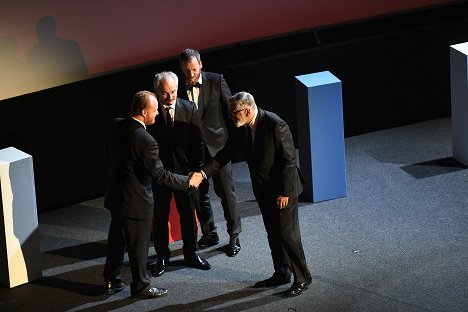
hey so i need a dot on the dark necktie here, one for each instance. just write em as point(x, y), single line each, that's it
point(168, 118)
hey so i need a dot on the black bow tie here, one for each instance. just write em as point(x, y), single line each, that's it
point(196, 85)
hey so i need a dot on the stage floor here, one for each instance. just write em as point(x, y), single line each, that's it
point(396, 242)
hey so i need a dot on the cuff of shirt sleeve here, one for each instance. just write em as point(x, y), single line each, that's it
point(203, 174)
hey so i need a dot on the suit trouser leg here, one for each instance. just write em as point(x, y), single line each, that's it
point(162, 208)
point(115, 249)
point(188, 224)
point(205, 211)
point(138, 233)
point(271, 222)
point(292, 243)
point(223, 185)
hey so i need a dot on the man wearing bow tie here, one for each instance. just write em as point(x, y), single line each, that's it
point(210, 93)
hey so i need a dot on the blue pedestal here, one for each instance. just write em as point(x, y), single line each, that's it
point(459, 98)
point(319, 108)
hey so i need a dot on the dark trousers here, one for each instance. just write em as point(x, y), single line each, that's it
point(188, 225)
point(133, 235)
point(223, 185)
point(284, 238)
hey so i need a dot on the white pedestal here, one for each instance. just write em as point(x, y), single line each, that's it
point(459, 97)
point(19, 233)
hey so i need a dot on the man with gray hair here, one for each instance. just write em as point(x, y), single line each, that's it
point(267, 145)
point(181, 149)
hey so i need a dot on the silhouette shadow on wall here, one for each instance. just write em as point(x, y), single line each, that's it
point(54, 61)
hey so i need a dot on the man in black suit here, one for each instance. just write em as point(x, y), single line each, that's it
point(181, 146)
point(133, 164)
point(267, 145)
point(210, 93)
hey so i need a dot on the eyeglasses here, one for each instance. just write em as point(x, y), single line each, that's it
point(234, 113)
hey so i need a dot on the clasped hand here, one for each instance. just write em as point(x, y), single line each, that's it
point(195, 179)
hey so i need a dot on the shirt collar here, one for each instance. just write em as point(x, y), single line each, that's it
point(253, 122)
point(169, 106)
point(141, 122)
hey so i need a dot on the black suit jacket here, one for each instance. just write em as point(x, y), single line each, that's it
point(272, 163)
point(212, 108)
point(182, 147)
point(132, 165)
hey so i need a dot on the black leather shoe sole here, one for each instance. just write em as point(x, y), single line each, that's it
point(296, 289)
point(113, 287)
point(198, 263)
point(158, 268)
point(232, 250)
point(207, 242)
point(272, 281)
point(150, 293)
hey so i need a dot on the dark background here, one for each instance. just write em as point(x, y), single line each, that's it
point(394, 71)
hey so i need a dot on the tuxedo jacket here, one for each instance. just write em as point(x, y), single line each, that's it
point(132, 164)
point(212, 109)
point(272, 162)
point(181, 146)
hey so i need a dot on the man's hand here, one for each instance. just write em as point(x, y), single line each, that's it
point(282, 201)
point(195, 179)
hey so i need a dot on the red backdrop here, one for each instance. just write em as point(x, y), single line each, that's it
point(115, 35)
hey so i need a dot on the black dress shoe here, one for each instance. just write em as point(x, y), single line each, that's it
point(114, 286)
point(195, 261)
point(159, 267)
point(150, 293)
point(275, 280)
point(297, 289)
point(207, 241)
point(233, 247)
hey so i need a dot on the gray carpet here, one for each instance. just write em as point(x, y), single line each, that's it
point(396, 242)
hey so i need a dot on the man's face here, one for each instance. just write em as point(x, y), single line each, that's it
point(239, 116)
point(167, 92)
point(191, 70)
point(151, 111)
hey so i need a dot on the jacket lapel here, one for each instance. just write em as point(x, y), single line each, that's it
point(259, 132)
point(204, 88)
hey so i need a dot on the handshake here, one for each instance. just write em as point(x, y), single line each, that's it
point(195, 178)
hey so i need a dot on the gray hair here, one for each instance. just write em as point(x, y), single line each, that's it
point(163, 76)
point(242, 100)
